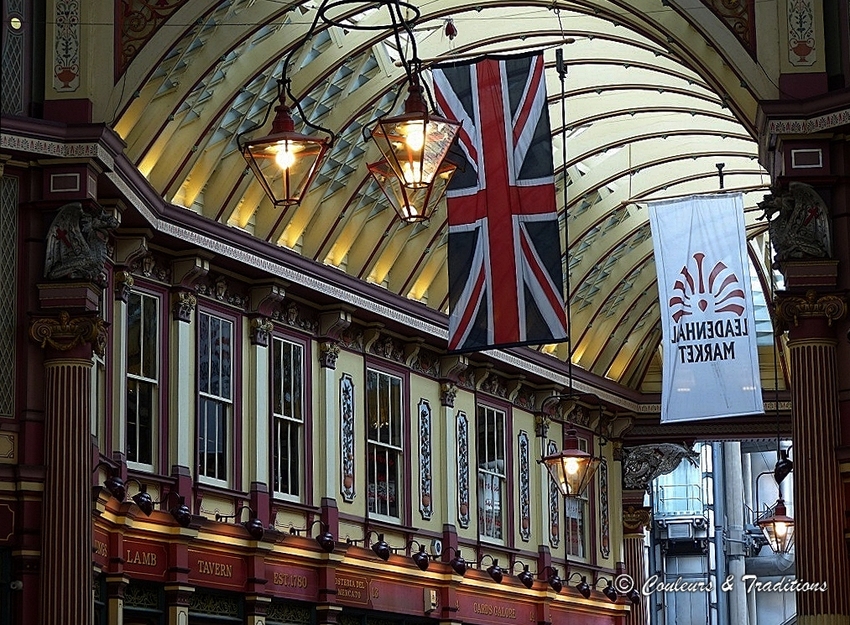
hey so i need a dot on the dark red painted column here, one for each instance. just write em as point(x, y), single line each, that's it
point(821, 553)
point(66, 540)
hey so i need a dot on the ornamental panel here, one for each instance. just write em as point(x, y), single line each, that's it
point(346, 433)
point(426, 507)
point(524, 486)
point(462, 470)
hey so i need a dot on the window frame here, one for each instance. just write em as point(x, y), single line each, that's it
point(506, 500)
point(304, 477)
point(232, 414)
point(156, 382)
point(399, 449)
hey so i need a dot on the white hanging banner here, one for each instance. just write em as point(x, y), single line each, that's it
point(711, 366)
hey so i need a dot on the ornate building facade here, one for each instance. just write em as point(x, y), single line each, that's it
point(215, 410)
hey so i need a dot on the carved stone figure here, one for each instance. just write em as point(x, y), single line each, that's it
point(644, 463)
point(799, 223)
point(76, 243)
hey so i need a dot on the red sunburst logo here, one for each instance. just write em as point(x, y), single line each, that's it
point(719, 288)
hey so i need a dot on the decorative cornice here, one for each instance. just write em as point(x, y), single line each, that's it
point(65, 333)
point(790, 308)
point(810, 125)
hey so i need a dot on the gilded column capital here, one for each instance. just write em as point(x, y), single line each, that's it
point(65, 333)
point(636, 519)
point(448, 392)
point(124, 283)
point(328, 353)
point(790, 308)
point(184, 306)
point(261, 329)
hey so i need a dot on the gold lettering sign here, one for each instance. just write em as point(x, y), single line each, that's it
point(291, 581)
point(140, 558)
point(100, 548)
point(216, 569)
point(354, 589)
point(490, 609)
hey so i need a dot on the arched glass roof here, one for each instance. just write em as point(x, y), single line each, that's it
point(644, 113)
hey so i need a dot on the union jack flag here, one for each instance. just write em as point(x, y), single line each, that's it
point(504, 248)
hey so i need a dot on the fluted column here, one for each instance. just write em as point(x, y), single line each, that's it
point(636, 519)
point(821, 553)
point(66, 539)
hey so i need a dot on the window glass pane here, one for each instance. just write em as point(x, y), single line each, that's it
point(134, 332)
point(150, 337)
point(394, 411)
point(145, 422)
point(287, 376)
point(384, 407)
point(204, 353)
point(132, 420)
point(297, 382)
point(277, 377)
point(372, 403)
point(491, 471)
point(226, 360)
point(215, 356)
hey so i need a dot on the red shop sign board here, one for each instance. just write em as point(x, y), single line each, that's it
point(144, 558)
point(217, 570)
point(294, 582)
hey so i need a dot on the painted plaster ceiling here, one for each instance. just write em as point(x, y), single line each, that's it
point(643, 120)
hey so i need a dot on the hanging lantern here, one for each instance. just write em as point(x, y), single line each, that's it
point(284, 161)
point(571, 468)
point(778, 528)
point(415, 143)
point(412, 205)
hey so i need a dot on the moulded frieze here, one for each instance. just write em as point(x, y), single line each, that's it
point(222, 290)
point(151, 267)
point(296, 316)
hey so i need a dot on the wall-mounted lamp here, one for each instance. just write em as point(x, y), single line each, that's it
point(379, 547)
point(582, 586)
point(525, 577)
point(634, 596)
point(253, 524)
point(609, 591)
point(554, 579)
point(181, 512)
point(458, 564)
point(325, 539)
point(118, 489)
point(495, 572)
